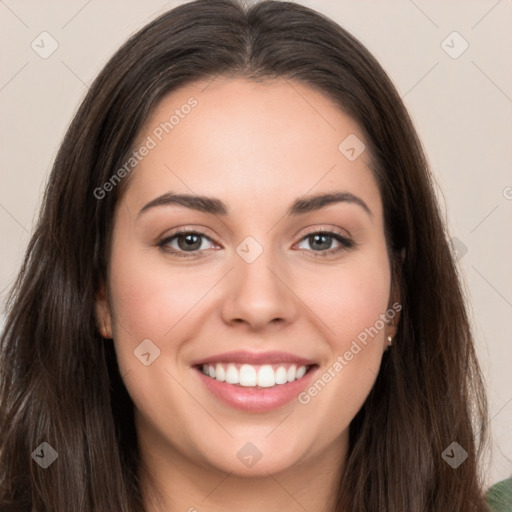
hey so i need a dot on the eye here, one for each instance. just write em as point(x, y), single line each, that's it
point(190, 243)
point(321, 242)
point(185, 241)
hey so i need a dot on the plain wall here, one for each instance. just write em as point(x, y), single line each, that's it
point(461, 108)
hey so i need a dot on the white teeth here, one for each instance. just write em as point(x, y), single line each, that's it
point(301, 371)
point(220, 374)
point(265, 376)
point(248, 375)
point(281, 375)
point(232, 375)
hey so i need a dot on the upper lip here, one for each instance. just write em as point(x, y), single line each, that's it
point(254, 358)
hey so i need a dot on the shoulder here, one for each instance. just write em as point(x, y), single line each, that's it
point(499, 496)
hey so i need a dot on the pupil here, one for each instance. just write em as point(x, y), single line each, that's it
point(322, 240)
point(191, 241)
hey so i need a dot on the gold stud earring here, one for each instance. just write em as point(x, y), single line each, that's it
point(390, 341)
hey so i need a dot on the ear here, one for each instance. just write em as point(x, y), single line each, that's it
point(103, 314)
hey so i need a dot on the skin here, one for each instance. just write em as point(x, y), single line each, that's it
point(257, 147)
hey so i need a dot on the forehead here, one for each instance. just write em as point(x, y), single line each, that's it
point(250, 142)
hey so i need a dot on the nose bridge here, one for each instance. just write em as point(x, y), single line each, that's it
point(257, 292)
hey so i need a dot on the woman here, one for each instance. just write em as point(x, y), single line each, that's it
point(240, 293)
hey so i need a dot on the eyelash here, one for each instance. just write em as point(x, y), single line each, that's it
point(345, 243)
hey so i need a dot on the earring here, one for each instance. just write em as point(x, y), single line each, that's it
point(390, 341)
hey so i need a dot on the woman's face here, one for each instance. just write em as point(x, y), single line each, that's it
point(250, 294)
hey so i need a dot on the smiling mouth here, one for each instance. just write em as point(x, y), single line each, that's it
point(255, 376)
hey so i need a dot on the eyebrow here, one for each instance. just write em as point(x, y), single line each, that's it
point(217, 207)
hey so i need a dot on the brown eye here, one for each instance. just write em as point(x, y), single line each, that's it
point(189, 242)
point(185, 242)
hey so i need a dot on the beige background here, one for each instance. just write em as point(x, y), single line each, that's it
point(461, 107)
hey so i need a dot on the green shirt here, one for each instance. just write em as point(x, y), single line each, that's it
point(499, 497)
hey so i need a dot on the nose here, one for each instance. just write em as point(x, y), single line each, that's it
point(259, 294)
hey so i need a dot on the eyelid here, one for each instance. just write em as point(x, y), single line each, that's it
point(200, 230)
point(323, 228)
point(166, 239)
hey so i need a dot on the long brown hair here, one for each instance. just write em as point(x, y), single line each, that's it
point(59, 381)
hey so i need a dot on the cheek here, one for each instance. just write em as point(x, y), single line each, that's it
point(349, 298)
point(151, 299)
point(357, 297)
point(349, 301)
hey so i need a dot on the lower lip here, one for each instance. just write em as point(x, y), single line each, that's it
point(255, 399)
